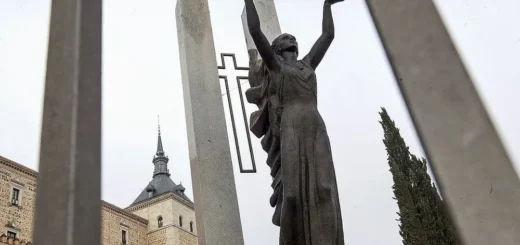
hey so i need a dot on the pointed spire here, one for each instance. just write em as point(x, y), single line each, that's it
point(160, 150)
point(160, 160)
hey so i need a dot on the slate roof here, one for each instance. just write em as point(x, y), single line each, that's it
point(161, 182)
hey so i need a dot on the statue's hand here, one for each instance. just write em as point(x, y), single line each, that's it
point(333, 1)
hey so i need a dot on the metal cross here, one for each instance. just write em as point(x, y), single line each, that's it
point(232, 115)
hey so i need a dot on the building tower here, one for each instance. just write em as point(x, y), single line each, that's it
point(169, 211)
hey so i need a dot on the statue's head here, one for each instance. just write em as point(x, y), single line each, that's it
point(285, 42)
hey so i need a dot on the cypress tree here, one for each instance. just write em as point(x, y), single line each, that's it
point(400, 162)
point(431, 209)
point(421, 210)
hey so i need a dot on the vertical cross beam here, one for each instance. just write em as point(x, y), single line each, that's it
point(68, 201)
point(474, 171)
point(270, 25)
point(232, 114)
point(216, 203)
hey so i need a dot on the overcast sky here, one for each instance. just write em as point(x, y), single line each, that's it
point(141, 79)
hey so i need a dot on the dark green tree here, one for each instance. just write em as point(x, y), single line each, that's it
point(400, 162)
point(430, 207)
point(421, 210)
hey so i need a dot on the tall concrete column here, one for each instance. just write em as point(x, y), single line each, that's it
point(68, 199)
point(216, 203)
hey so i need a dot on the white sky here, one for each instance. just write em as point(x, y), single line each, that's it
point(141, 79)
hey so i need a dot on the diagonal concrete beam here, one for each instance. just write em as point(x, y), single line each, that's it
point(474, 172)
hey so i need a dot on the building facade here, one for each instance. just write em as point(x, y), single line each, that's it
point(160, 215)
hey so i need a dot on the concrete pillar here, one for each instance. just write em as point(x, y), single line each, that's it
point(216, 204)
point(68, 200)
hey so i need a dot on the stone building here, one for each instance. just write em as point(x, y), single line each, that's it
point(160, 215)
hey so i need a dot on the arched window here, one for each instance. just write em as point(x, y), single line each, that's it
point(159, 221)
point(180, 221)
point(191, 226)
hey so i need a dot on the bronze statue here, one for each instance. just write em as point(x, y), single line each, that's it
point(305, 197)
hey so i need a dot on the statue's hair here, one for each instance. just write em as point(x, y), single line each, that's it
point(276, 44)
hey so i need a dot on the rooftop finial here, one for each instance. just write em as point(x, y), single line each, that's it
point(160, 150)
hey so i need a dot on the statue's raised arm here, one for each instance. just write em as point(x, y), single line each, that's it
point(323, 43)
point(262, 44)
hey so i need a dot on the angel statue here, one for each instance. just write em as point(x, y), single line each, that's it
point(305, 197)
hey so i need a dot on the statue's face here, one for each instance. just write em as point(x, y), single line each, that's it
point(288, 43)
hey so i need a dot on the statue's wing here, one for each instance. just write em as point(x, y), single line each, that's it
point(260, 126)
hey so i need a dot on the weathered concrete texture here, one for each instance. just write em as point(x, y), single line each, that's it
point(266, 10)
point(68, 203)
point(475, 173)
point(216, 204)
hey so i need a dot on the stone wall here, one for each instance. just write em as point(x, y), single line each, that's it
point(170, 207)
point(188, 216)
point(19, 218)
point(186, 238)
point(157, 237)
point(177, 236)
point(154, 209)
point(140, 221)
point(115, 220)
point(13, 241)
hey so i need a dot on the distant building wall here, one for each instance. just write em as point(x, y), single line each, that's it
point(170, 208)
point(116, 222)
point(17, 216)
point(17, 210)
point(157, 237)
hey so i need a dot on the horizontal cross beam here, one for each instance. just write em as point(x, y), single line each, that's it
point(223, 66)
